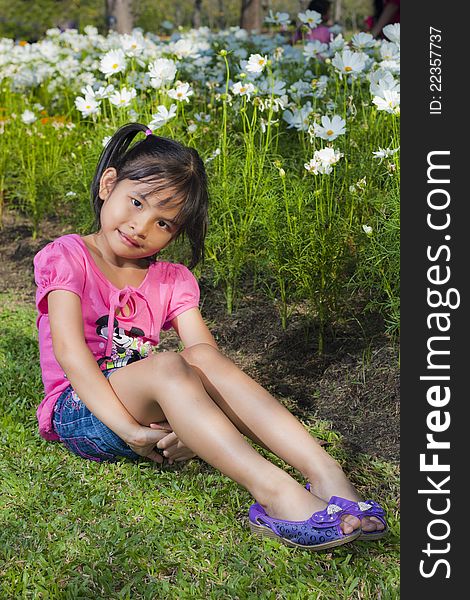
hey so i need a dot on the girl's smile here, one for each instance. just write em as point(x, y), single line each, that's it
point(127, 240)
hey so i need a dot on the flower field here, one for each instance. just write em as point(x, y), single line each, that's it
point(301, 145)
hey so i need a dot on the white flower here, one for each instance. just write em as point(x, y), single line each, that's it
point(389, 51)
point(312, 18)
point(123, 97)
point(280, 18)
point(181, 92)
point(192, 128)
point(392, 32)
point(362, 41)
point(162, 116)
point(298, 118)
point(112, 62)
point(256, 63)
point(28, 117)
point(338, 43)
point(382, 153)
point(330, 129)
point(315, 49)
point(381, 80)
point(243, 89)
point(185, 48)
point(161, 71)
point(87, 106)
point(213, 155)
point(328, 155)
point(132, 45)
point(367, 229)
point(390, 102)
point(323, 161)
point(349, 62)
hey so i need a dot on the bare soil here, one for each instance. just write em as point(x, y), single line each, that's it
point(354, 385)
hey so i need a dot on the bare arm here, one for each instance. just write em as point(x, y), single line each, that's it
point(386, 16)
point(83, 372)
point(192, 330)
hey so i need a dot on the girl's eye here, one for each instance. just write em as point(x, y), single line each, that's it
point(136, 202)
point(163, 224)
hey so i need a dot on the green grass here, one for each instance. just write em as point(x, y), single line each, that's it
point(71, 528)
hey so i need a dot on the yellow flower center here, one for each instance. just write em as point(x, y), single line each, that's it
point(329, 132)
point(347, 69)
point(261, 61)
point(242, 90)
point(179, 94)
point(115, 66)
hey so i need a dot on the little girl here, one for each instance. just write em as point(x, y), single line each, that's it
point(102, 300)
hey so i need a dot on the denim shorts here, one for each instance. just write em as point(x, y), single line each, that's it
point(84, 434)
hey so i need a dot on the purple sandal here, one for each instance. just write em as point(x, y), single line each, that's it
point(361, 509)
point(321, 531)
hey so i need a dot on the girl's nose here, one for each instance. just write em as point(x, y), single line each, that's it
point(139, 228)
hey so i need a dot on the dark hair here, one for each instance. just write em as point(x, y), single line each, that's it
point(321, 6)
point(164, 164)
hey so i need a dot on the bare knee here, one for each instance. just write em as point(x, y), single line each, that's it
point(168, 366)
point(202, 356)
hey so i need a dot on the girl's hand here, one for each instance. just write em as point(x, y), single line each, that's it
point(144, 440)
point(174, 449)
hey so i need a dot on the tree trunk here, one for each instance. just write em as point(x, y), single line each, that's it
point(251, 15)
point(196, 20)
point(221, 16)
point(338, 11)
point(119, 15)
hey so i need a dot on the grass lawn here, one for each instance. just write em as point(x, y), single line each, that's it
point(74, 529)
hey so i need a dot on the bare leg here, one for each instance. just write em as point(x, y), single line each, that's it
point(164, 386)
point(262, 418)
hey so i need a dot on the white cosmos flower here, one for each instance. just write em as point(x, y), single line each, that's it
point(161, 71)
point(315, 49)
point(256, 63)
point(337, 44)
point(87, 106)
point(362, 41)
point(312, 18)
point(28, 117)
point(392, 32)
point(349, 62)
point(123, 97)
point(330, 129)
point(185, 48)
point(162, 116)
point(280, 18)
point(389, 51)
point(132, 45)
point(381, 80)
point(112, 62)
point(390, 102)
point(382, 153)
point(323, 161)
point(298, 118)
point(243, 89)
point(367, 229)
point(181, 92)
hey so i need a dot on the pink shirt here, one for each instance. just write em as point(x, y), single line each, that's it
point(115, 340)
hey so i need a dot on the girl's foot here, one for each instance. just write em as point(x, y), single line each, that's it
point(295, 503)
point(335, 483)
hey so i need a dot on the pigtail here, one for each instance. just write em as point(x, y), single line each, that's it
point(111, 156)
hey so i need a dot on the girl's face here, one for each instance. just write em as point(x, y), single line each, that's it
point(133, 223)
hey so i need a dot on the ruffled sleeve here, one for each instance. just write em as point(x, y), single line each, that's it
point(185, 293)
point(57, 267)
